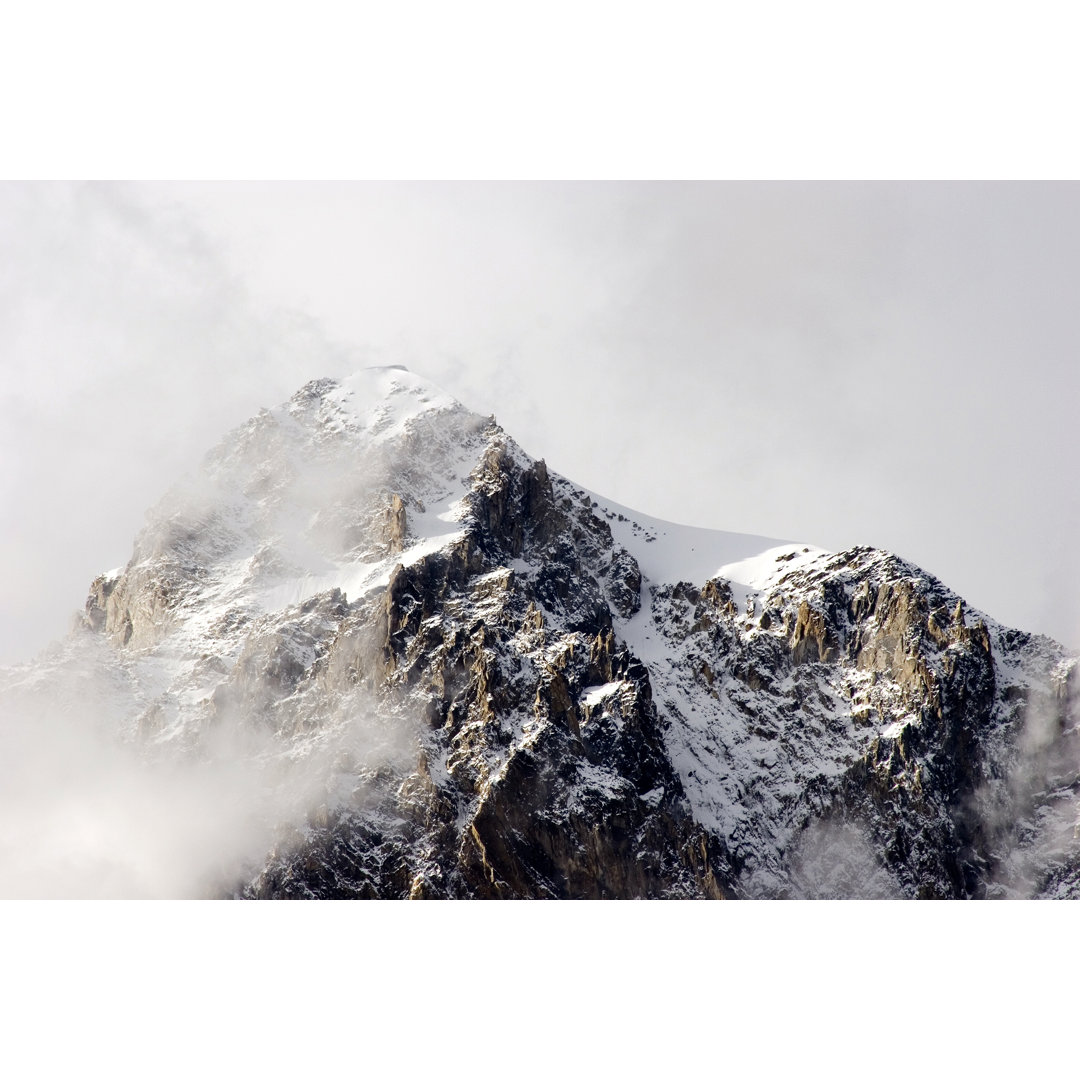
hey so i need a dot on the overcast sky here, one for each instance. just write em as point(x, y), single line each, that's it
point(836, 363)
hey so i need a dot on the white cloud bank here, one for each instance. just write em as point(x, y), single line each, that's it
point(837, 363)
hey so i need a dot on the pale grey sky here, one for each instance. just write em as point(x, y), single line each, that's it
point(840, 363)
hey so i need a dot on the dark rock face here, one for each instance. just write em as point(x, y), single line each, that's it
point(513, 709)
point(581, 799)
point(540, 792)
point(916, 798)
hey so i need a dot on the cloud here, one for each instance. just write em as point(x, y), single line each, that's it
point(128, 349)
point(838, 363)
point(92, 808)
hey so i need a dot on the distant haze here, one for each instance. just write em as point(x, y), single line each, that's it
point(835, 363)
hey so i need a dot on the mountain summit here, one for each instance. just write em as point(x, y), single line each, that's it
point(416, 663)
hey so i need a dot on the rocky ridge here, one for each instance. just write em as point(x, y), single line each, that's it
point(495, 684)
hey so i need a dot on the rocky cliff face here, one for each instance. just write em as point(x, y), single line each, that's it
point(491, 683)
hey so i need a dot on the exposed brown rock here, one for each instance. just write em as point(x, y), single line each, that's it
point(395, 525)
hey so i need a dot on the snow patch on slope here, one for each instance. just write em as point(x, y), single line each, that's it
point(384, 400)
point(668, 552)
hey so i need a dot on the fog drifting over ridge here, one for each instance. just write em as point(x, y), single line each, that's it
point(837, 363)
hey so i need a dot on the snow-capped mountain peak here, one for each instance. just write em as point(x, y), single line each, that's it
point(455, 673)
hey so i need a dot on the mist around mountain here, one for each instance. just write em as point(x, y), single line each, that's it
point(373, 649)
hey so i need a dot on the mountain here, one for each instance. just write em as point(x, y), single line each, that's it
point(374, 649)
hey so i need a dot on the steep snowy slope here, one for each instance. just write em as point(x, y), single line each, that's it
point(440, 670)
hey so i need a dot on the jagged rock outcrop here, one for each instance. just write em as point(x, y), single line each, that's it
point(470, 678)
